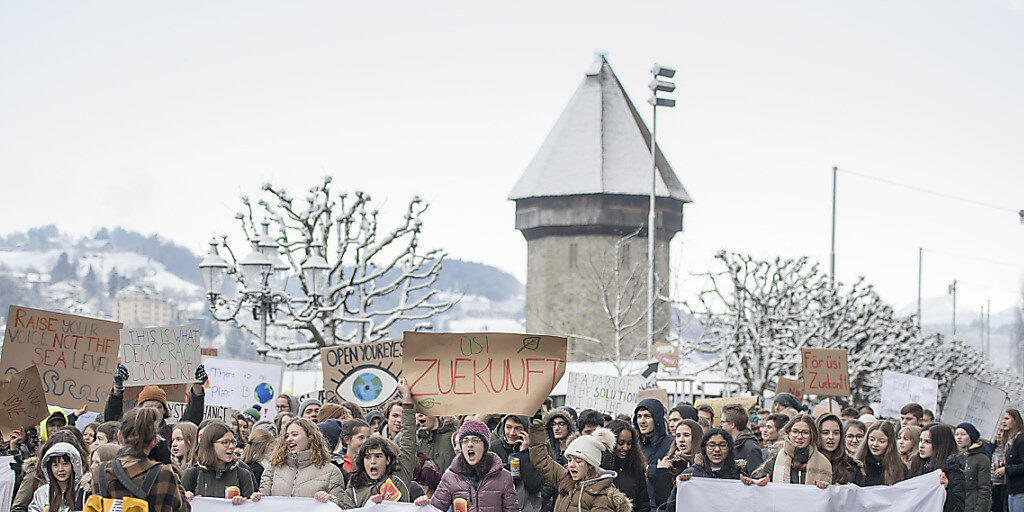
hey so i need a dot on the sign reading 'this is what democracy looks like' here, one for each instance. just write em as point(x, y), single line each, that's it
point(160, 355)
point(481, 372)
point(76, 355)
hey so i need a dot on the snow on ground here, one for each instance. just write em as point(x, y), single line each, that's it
point(129, 264)
point(484, 324)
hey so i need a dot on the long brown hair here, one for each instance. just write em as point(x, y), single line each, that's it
point(138, 430)
point(207, 454)
point(58, 498)
point(261, 442)
point(811, 425)
point(190, 434)
point(1018, 424)
point(840, 470)
point(317, 444)
point(893, 469)
point(696, 435)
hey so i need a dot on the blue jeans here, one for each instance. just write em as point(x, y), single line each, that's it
point(1016, 502)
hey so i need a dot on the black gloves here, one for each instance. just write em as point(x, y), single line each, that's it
point(201, 374)
point(120, 375)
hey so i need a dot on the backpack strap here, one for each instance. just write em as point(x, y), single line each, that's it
point(142, 491)
point(101, 481)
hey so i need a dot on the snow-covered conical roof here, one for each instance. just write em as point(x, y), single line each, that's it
point(599, 145)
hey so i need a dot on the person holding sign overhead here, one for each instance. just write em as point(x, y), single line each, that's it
point(155, 397)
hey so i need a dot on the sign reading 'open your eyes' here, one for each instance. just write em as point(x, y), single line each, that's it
point(365, 374)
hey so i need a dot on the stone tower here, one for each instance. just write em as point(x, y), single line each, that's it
point(582, 205)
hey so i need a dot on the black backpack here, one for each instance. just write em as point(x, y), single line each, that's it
point(139, 491)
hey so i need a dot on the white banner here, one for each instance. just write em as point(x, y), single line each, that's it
point(977, 403)
point(899, 389)
point(240, 384)
point(921, 494)
point(610, 394)
point(285, 504)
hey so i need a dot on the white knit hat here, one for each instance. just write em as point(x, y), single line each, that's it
point(589, 447)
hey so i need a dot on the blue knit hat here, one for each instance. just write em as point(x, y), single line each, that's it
point(971, 430)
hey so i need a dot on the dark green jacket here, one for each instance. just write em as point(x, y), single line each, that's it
point(977, 480)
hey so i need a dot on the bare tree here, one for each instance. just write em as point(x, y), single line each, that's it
point(376, 278)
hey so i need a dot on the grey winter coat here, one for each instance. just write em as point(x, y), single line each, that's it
point(494, 492)
point(41, 497)
point(299, 477)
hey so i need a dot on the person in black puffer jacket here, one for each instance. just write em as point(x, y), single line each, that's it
point(628, 463)
point(938, 451)
point(508, 441)
point(1013, 468)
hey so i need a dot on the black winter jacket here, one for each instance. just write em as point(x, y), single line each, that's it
point(634, 487)
point(530, 483)
point(1015, 466)
point(656, 445)
point(162, 452)
point(747, 449)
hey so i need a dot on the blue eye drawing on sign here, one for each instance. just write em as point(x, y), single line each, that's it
point(367, 385)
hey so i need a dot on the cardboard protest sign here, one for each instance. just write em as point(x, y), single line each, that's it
point(365, 374)
point(826, 406)
point(975, 402)
point(826, 372)
point(899, 389)
point(794, 387)
point(76, 355)
point(658, 394)
point(174, 392)
point(160, 355)
point(240, 384)
point(667, 354)
point(481, 372)
point(610, 394)
point(718, 403)
point(207, 351)
point(209, 411)
point(22, 400)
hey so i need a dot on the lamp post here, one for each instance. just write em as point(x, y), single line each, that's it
point(260, 278)
point(658, 83)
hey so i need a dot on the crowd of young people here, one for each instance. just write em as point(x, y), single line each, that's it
point(553, 461)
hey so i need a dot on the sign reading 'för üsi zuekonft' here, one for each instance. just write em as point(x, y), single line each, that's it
point(160, 355)
point(481, 372)
point(365, 374)
point(76, 355)
point(826, 372)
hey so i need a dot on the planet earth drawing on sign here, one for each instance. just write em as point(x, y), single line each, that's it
point(264, 392)
point(367, 387)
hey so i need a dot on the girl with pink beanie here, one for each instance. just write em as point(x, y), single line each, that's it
point(476, 475)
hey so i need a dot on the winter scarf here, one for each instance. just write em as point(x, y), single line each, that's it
point(807, 459)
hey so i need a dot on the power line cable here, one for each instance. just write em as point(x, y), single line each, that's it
point(977, 258)
point(927, 191)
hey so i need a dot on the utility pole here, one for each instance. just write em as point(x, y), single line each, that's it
point(981, 334)
point(952, 291)
point(988, 324)
point(832, 252)
point(656, 85)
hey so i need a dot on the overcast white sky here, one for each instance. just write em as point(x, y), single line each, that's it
point(156, 115)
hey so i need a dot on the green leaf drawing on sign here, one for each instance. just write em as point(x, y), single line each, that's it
point(427, 403)
point(531, 343)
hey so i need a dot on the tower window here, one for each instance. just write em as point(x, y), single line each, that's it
point(573, 254)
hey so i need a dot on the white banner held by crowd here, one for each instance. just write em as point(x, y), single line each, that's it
point(977, 403)
point(610, 394)
point(282, 504)
point(899, 389)
point(920, 494)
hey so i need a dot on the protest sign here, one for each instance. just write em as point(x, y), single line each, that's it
point(977, 403)
point(922, 493)
point(828, 406)
point(217, 412)
point(365, 374)
point(610, 394)
point(826, 372)
point(794, 387)
point(22, 400)
point(240, 384)
point(899, 389)
point(481, 372)
point(667, 354)
point(206, 351)
point(718, 403)
point(658, 394)
point(160, 355)
point(76, 355)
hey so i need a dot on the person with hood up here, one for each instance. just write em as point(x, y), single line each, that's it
point(374, 419)
point(55, 420)
point(286, 403)
point(977, 471)
point(476, 475)
point(581, 485)
point(217, 468)
point(380, 464)
point(799, 461)
point(434, 438)
point(559, 426)
point(938, 451)
point(649, 422)
point(155, 397)
point(309, 409)
point(509, 442)
point(679, 413)
point(62, 465)
point(734, 421)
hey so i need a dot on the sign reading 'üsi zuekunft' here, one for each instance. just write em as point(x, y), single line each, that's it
point(481, 372)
